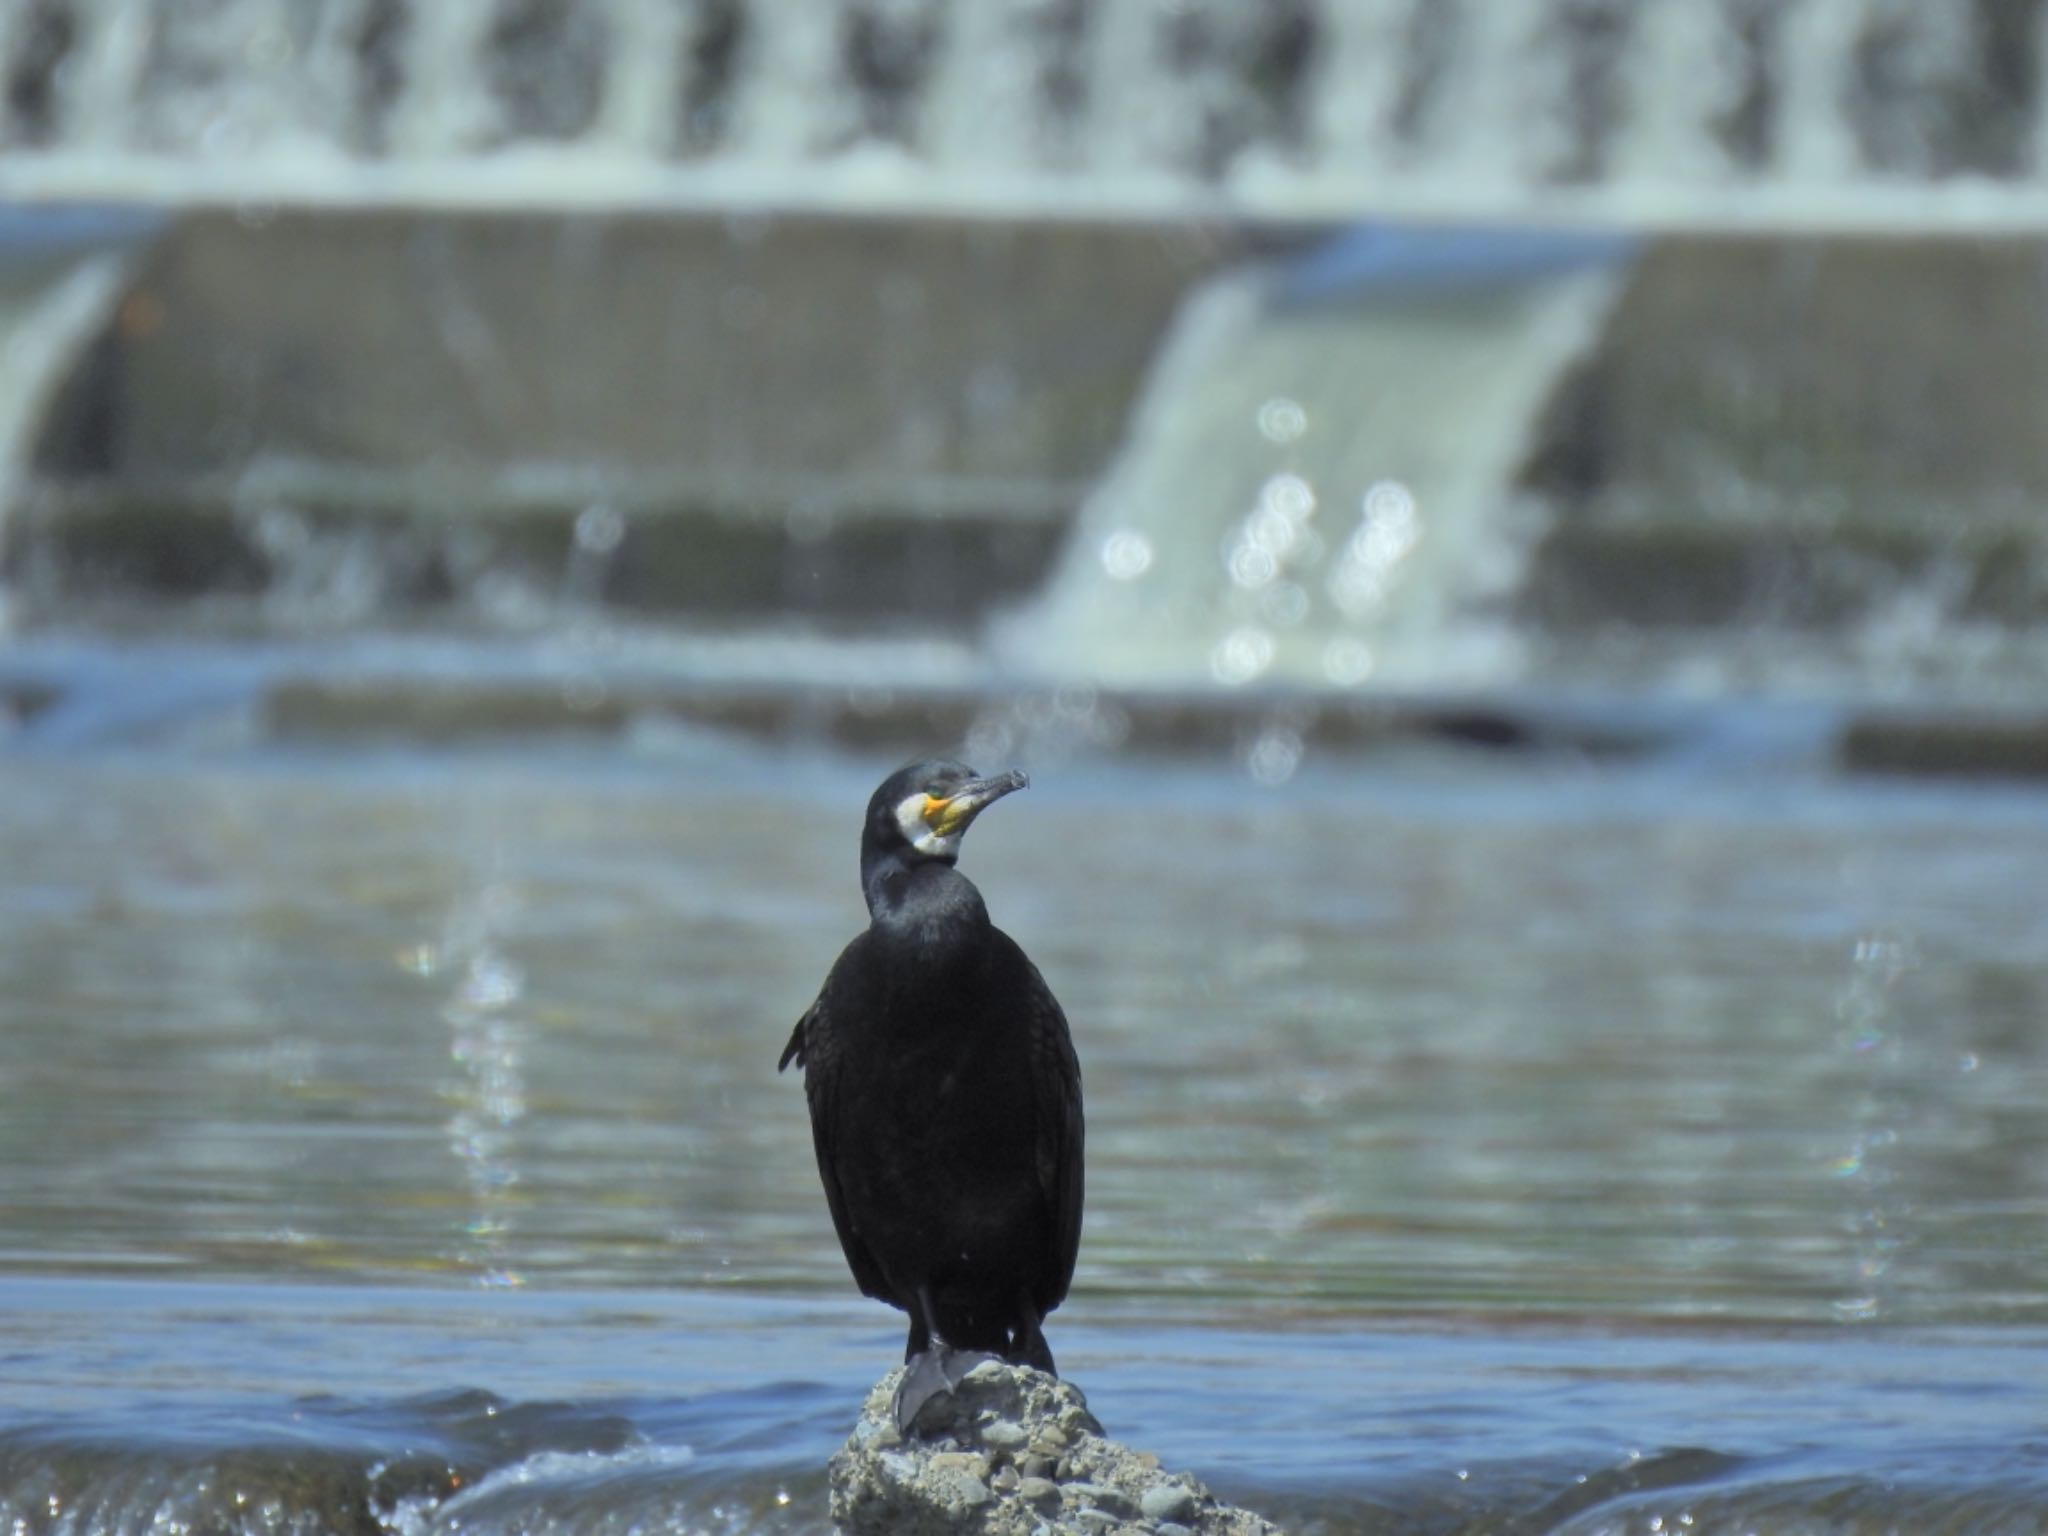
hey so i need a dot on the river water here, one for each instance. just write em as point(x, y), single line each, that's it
point(390, 1138)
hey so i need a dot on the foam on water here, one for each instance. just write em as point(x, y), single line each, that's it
point(530, 1494)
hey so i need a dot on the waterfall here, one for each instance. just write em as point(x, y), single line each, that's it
point(53, 297)
point(1315, 486)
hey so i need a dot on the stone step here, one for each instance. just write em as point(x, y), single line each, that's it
point(1703, 574)
point(295, 552)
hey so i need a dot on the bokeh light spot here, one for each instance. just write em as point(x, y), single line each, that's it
point(1126, 555)
point(1282, 420)
point(1241, 655)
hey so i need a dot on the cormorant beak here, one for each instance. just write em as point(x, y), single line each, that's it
point(949, 817)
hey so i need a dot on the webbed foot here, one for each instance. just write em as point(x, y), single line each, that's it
point(935, 1372)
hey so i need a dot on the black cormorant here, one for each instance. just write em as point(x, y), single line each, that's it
point(945, 1097)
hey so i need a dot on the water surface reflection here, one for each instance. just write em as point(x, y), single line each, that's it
point(1424, 1040)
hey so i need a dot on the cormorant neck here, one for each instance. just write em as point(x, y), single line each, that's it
point(921, 900)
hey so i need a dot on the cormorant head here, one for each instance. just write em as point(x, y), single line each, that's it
point(922, 811)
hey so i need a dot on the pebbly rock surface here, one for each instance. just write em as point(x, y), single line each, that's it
point(1013, 1452)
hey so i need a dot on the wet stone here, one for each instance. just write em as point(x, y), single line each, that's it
point(1033, 1489)
point(1003, 1435)
point(1113, 1500)
point(1167, 1501)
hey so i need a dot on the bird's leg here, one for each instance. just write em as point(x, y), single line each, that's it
point(1027, 1339)
point(920, 1338)
point(935, 1370)
point(924, 1377)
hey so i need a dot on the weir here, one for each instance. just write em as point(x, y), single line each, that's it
point(1011, 323)
point(1813, 114)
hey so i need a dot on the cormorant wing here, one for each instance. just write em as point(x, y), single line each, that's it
point(794, 1051)
point(1056, 1085)
point(813, 1048)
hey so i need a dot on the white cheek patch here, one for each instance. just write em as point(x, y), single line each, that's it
point(919, 834)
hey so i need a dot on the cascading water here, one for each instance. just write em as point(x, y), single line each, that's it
point(1314, 486)
point(59, 281)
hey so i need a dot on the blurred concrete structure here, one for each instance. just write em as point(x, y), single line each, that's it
point(1653, 113)
point(882, 399)
point(768, 305)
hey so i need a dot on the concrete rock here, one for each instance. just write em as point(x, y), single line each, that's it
point(1168, 1501)
point(959, 1472)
